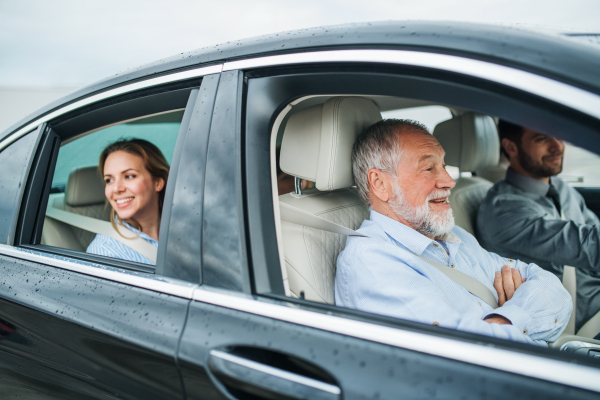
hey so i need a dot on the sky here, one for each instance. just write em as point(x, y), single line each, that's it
point(72, 43)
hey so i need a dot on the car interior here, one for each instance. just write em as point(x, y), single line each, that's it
point(316, 135)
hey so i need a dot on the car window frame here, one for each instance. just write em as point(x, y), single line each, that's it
point(260, 218)
point(103, 113)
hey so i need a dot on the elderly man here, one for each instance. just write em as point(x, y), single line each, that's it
point(535, 216)
point(399, 169)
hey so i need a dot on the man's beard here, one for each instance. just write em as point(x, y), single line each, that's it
point(422, 218)
point(538, 169)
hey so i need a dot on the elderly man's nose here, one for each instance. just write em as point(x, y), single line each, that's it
point(445, 180)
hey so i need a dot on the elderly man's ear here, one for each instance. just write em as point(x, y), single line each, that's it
point(380, 185)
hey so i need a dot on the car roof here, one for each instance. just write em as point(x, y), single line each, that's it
point(550, 54)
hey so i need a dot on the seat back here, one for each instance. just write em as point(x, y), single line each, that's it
point(84, 195)
point(317, 146)
point(471, 143)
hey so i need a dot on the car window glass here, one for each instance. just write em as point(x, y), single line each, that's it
point(13, 161)
point(79, 189)
point(580, 167)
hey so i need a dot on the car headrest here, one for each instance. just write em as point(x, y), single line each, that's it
point(85, 187)
point(470, 140)
point(317, 141)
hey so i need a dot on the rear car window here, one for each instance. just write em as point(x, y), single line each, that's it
point(160, 130)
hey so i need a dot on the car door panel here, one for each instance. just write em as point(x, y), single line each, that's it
point(362, 369)
point(95, 337)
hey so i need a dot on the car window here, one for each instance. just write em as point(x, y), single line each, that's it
point(307, 254)
point(77, 199)
point(580, 167)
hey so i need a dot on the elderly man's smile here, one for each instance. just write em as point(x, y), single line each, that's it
point(441, 201)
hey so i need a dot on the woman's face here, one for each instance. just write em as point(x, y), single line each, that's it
point(130, 188)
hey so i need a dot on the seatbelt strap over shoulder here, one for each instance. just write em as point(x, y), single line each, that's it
point(104, 228)
point(300, 217)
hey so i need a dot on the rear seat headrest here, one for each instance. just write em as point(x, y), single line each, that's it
point(85, 187)
point(317, 141)
point(470, 140)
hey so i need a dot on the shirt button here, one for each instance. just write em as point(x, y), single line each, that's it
point(524, 331)
point(436, 324)
point(556, 320)
point(479, 304)
point(511, 260)
point(452, 265)
point(435, 245)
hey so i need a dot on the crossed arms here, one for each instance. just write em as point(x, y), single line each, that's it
point(382, 278)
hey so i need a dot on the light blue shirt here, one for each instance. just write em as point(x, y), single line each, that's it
point(107, 246)
point(380, 274)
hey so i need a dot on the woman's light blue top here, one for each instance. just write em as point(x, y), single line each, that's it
point(107, 246)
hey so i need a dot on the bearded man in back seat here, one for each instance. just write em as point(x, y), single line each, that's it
point(397, 269)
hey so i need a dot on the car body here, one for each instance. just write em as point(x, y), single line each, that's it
point(212, 320)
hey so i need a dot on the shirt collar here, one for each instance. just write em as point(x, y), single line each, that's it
point(528, 184)
point(132, 229)
point(416, 242)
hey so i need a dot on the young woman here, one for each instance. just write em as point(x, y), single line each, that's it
point(135, 172)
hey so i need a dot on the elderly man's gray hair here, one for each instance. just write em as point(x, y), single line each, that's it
point(379, 147)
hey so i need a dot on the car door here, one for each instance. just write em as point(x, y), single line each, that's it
point(245, 339)
point(74, 325)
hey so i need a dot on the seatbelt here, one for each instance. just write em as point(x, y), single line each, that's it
point(104, 228)
point(569, 282)
point(300, 217)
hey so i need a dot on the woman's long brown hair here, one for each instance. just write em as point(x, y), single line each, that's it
point(154, 161)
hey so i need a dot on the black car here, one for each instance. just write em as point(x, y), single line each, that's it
point(240, 301)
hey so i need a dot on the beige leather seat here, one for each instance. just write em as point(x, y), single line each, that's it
point(317, 146)
point(471, 144)
point(497, 172)
point(84, 195)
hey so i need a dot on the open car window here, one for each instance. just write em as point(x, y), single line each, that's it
point(65, 205)
point(306, 255)
point(77, 200)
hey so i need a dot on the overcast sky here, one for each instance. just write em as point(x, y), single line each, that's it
point(71, 43)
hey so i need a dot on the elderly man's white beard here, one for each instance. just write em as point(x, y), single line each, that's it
point(422, 218)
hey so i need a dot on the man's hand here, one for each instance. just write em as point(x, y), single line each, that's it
point(506, 283)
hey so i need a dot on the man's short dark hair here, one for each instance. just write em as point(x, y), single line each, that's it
point(510, 131)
